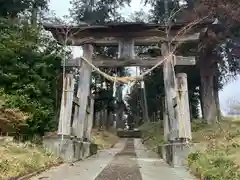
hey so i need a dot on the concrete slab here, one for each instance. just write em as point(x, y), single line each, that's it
point(70, 150)
point(87, 169)
point(180, 152)
point(175, 154)
point(124, 160)
point(154, 168)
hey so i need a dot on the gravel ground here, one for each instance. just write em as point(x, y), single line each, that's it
point(124, 165)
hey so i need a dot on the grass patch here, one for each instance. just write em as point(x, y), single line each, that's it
point(18, 159)
point(104, 139)
point(217, 150)
point(152, 134)
point(213, 166)
point(215, 163)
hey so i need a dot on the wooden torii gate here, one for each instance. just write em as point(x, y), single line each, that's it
point(126, 36)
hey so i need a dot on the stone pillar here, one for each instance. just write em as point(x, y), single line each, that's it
point(181, 147)
point(183, 117)
point(64, 125)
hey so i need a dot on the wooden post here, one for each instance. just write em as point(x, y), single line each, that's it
point(98, 119)
point(165, 120)
point(64, 125)
point(90, 120)
point(178, 126)
point(126, 48)
point(101, 118)
point(83, 92)
point(115, 120)
point(184, 122)
point(169, 85)
point(144, 99)
point(105, 120)
point(86, 119)
point(111, 119)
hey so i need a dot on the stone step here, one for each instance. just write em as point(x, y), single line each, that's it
point(129, 133)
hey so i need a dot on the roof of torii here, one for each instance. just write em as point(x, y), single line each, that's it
point(98, 33)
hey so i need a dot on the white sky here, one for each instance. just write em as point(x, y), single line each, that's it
point(61, 8)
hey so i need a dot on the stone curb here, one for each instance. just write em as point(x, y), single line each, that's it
point(28, 176)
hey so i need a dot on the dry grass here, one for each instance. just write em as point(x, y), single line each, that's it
point(104, 139)
point(217, 155)
point(222, 134)
point(12, 120)
point(18, 159)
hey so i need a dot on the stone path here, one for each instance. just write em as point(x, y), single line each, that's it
point(128, 160)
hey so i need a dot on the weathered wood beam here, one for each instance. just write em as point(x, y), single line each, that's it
point(100, 61)
point(125, 51)
point(89, 120)
point(64, 125)
point(138, 41)
point(148, 62)
point(170, 91)
point(126, 48)
point(77, 102)
point(183, 116)
point(165, 119)
point(83, 93)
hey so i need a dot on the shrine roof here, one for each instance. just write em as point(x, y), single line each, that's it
point(117, 29)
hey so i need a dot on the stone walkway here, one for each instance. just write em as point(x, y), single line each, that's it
point(128, 160)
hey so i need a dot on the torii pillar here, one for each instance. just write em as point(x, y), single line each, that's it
point(177, 127)
point(83, 93)
point(76, 115)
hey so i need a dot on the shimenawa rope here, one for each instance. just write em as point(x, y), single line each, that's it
point(127, 79)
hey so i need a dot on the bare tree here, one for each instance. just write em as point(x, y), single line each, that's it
point(233, 107)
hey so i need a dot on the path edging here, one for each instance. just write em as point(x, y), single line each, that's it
point(31, 174)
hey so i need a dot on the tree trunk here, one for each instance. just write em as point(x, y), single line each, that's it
point(208, 99)
point(219, 113)
point(190, 109)
point(34, 14)
point(216, 96)
point(201, 100)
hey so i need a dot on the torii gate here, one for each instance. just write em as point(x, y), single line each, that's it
point(126, 36)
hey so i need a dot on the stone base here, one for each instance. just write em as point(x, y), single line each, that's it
point(175, 154)
point(128, 133)
point(70, 150)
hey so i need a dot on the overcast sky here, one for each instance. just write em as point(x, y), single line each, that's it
point(61, 8)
